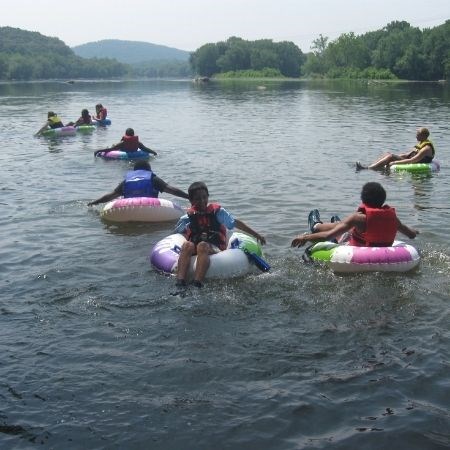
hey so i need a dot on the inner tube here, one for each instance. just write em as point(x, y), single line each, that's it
point(399, 257)
point(85, 128)
point(433, 166)
point(141, 209)
point(232, 262)
point(62, 131)
point(102, 122)
point(119, 154)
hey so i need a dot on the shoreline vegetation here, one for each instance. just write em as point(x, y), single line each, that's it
point(398, 51)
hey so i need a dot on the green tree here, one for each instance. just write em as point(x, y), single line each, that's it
point(395, 48)
point(236, 55)
point(316, 60)
point(291, 59)
point(204, 60)
point(348, 51)
point(436, 47)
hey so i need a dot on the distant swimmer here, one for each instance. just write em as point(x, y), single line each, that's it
point(128, 143)
point(84, 119)
point(53, 121)
point(423, 152)
point(100, 112)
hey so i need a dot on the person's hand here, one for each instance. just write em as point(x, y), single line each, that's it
point(260, 238)
point(90, 204)
point(392, 163)
point(414, 233)
point(299, 241)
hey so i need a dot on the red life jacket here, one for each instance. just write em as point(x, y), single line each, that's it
point(102, 114)
point(381, 227)
point(204, 226)
point(130, 143)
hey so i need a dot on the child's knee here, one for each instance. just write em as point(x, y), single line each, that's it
point(203, 247)
point(188, 247)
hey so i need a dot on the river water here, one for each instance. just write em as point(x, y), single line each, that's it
point(97, 352)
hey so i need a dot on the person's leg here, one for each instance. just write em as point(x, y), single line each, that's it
point(323, 226)
point(187, 250)
point(383, 161)
point(203, 251)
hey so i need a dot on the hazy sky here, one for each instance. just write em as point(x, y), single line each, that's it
point(188, 24)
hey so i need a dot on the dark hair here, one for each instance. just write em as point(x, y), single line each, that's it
point(373, 194)
point(51, 114)
point(129, 132)
point(141, 165)
point(84, 112)
point(197, 186)
point(99, 105)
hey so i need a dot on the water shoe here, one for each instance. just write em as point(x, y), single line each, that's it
point(313, 219)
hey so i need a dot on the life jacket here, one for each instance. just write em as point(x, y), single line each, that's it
point(381, 227)
point(421, 145)
point(204, 226)
point(139, 183)
point(55, 122)
point(84, 120)
point(102, 114)
point(130, 143)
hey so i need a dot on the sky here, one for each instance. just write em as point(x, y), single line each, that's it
point(189, 24)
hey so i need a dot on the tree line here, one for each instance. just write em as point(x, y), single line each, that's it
point(396, 51)
point(237, 54)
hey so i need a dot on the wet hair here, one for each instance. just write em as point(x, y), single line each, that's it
point(129, 132)
point(142, 165)
point(424, 132)
point(99, 105)
point(373, 194)
point(197, 186)
point(84, 112)
point(51, 114)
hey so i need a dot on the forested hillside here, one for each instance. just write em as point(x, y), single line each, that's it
point(129, 52)
point(26, 55)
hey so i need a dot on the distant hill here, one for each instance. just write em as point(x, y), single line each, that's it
point(129, 52)
point(29, 55)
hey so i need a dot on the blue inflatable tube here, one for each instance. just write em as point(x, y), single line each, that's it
point(103, 122)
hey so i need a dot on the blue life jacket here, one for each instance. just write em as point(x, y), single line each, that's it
point(139, 183)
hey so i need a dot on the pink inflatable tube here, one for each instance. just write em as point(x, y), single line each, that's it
point(141, 209)
point(399, 257)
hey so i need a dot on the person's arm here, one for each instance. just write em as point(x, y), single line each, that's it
point(108, 197)
point(404, 229)
point(162, 186)
point(182, 224)
point(146, 149)
point(244, 227)
point(356, 219)
point(175, 191)
point(426, 151)
point(106, 150)
point(43, 128)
